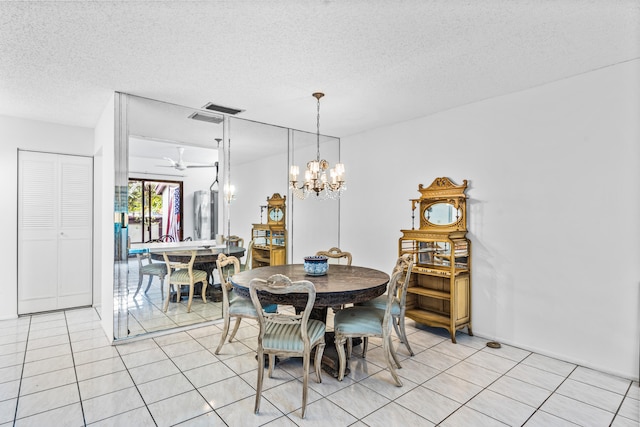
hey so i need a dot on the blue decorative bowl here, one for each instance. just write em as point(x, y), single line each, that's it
point(316, 265)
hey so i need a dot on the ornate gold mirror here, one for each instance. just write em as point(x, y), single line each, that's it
point(442, 206)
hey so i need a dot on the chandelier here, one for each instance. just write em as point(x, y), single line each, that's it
point(316, 181)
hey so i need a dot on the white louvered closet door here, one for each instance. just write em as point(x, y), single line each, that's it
point(55, 215)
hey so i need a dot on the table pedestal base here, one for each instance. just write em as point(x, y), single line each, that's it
point(330, 359)
point(214, 292)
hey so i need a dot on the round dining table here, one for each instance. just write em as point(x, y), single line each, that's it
point(204, 255)
point(205, 260)
point(343, 284)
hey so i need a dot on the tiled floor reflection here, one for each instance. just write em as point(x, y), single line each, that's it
point(145, 308)
point(58, 369)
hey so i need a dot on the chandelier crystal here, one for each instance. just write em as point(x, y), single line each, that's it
point(316, 181)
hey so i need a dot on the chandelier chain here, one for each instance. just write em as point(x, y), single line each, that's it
point(318, 131)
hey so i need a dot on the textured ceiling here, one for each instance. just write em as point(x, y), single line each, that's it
point(379, 62)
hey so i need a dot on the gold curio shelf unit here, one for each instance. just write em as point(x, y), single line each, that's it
point(270, 239)
point(439, 292)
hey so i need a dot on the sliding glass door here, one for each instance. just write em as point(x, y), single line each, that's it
point(155, 210)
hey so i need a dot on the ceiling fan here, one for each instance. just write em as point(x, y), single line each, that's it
point(180, 163)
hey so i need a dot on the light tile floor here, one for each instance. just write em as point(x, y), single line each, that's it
point(58, 369)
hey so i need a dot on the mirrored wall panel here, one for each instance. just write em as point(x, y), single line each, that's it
point(196, 178)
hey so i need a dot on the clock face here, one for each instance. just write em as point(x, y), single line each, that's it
point(276, 214)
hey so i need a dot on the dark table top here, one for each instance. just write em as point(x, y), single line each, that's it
point(342, 284)
point(209, 255)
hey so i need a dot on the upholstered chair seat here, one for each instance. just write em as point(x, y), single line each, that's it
point(150, 269)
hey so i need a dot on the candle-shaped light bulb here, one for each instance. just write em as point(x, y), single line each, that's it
point(315, 166)
point(294, 171)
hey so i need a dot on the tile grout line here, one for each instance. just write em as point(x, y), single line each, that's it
point(384, 368)
point(75, 372)
point(624, 397)
point(126, 368)
point(483, 388)
point(539, 408)
point(181, 372)
point(24, 358)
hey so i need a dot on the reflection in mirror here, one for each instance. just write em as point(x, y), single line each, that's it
point(258, 168)
point(261, 156)
point(172, 161)
point(442, 214)
point(252, 157)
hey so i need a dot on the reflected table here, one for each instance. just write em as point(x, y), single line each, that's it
point(205, 260)
point(343, 284)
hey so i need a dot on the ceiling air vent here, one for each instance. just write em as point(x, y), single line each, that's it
point(206, 118)
point(221, 109)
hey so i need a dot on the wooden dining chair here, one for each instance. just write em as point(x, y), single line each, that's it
point(365, 322)
point(163, 239)
point(234, 241)
point(336, 253)
point(342, 257)
point(287, 334)
point(181, 273)
point(398, 307)
point(151, 269)
point(232, 305)
point(248, 260)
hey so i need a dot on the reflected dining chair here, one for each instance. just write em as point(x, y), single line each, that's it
point(233, 241)
point(150, 269)
point(163, 239)
point(336, 253)
point(287, 334)
point(359, 321)
point(398, 307)
point(181, 273)
point(248, 257)
point(232, 305)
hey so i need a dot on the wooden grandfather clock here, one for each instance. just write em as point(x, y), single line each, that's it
point(269, 241)
point(276, 210)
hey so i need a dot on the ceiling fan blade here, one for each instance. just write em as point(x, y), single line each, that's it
point(201, 166)
point(173, 162)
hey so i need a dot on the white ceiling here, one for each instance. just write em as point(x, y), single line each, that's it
point(379, 62)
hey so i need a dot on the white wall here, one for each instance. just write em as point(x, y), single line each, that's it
point(554, 210)
point(32, 135)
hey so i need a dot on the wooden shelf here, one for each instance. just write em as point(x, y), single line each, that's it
point(259, 258)
point(270, 244)
point(443, 271)
point(428, 317)
point(426, 292)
